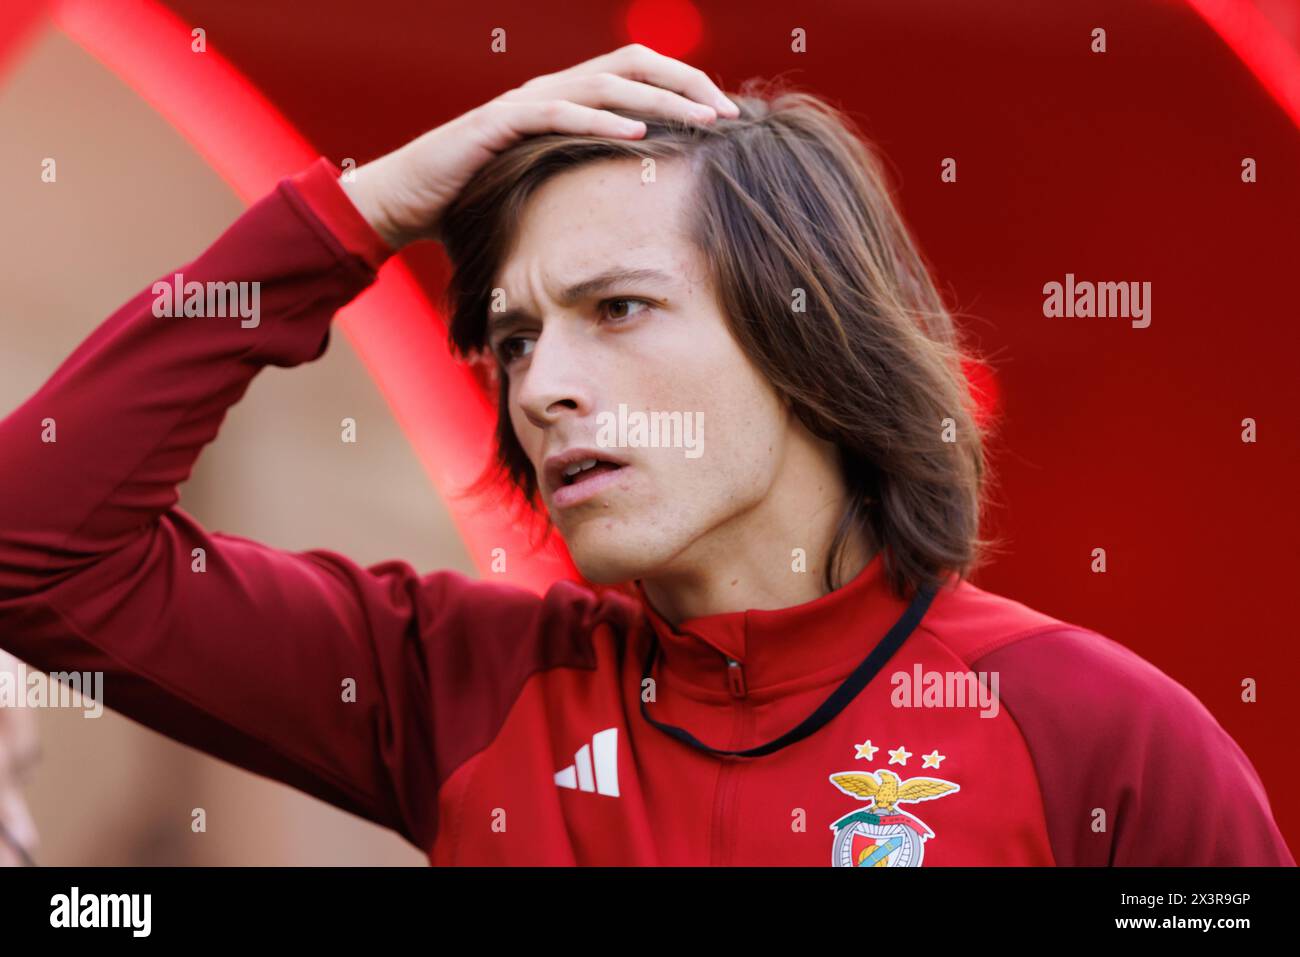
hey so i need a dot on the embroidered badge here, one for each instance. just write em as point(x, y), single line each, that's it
point(883, 834)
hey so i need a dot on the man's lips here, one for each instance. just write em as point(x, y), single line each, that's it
point(587, 485)
point(555, 466)
point(566, 490)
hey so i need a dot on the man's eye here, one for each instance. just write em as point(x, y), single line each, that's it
point(615, 307)
point(511, 349)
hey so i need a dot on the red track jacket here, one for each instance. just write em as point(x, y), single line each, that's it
point(493, 726)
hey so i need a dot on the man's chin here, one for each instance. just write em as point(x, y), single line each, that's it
point(609, 564)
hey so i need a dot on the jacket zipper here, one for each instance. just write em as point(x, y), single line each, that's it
point(728, 775)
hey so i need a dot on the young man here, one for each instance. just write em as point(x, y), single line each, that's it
point(763, 692)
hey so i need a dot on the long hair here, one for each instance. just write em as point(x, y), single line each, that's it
point(822, 287)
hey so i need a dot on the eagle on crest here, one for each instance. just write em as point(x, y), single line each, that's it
point(887, 791)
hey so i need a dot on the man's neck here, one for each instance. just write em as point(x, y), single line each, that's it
point(757, 567)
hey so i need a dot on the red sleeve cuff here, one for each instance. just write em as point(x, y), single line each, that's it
point(319, 187)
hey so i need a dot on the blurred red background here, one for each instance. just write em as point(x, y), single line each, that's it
point(1122, 166)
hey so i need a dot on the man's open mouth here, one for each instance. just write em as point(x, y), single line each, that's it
point(580, 471)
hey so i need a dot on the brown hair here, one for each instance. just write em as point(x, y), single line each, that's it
point(788, 197)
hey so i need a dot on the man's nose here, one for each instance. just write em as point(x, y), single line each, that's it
point(558, 379)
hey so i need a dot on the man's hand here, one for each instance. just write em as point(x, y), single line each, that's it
point(403, 194)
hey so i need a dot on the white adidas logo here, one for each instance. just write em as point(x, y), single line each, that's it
point(579, 776)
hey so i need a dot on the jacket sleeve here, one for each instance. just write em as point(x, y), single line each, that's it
point(1133, 769)
point(300, 666)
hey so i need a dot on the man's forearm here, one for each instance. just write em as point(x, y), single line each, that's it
point(100, 448)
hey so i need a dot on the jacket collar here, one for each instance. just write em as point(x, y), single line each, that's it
point(744, 653)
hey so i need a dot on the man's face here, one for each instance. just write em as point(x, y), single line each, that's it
point(656, 343)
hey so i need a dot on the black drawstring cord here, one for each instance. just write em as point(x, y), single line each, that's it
point(828, 709)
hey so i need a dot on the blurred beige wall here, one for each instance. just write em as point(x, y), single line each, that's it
point(132, 202)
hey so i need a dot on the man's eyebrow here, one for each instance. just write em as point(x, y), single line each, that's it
point(587, 288)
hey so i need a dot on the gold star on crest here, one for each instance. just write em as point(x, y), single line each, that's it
point(899, 755)
point(866, 750)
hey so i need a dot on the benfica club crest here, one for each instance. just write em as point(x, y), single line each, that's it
point(883, 834)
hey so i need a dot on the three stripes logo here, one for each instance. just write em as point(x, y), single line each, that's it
point(594, 767)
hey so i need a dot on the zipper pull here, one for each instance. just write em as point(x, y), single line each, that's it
point(736, 678)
